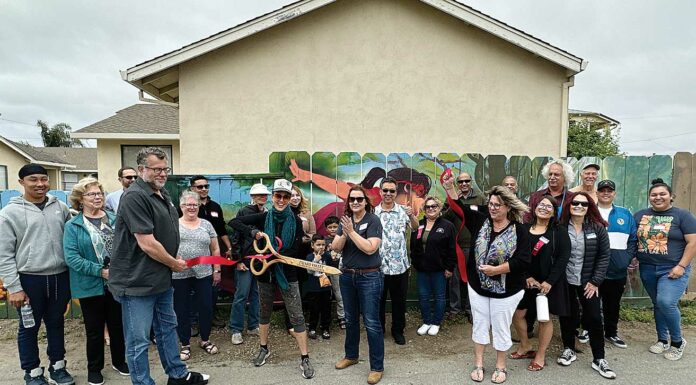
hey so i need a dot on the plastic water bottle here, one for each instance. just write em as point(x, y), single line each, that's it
point(542, 307)
point(27, 316)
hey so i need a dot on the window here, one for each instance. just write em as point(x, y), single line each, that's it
point(3, 177)
point(129, 154)
point(69, 180)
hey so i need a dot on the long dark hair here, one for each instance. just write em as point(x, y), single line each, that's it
point(553, 221)
point(368, 204)
point(592, 216)
point(407, 180)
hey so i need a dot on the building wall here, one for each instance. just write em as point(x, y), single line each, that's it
point(367, 76)
point(13, 161)
point(109, 158)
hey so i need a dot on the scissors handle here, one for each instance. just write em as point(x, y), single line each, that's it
point(265, 264)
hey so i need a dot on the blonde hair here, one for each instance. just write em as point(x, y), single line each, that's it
point(78, 190)
point(517, 208)
point(434, 199)
point(302, 207)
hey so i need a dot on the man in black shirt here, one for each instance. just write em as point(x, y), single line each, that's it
point(145, 245)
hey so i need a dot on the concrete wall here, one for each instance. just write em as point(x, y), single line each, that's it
point(367, 76)
point(109, 158)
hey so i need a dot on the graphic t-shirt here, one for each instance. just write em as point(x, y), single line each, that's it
point(661, 235)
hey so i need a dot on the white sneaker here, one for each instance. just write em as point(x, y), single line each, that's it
point(674, 354)
point(433, 330)
point(567, 357)
point(237, 338)
point(253, 332)
point(602, 367)
point(423, 329)
point(658, 348)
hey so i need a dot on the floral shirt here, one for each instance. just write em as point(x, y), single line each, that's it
point(393, 246)
point(661, 235)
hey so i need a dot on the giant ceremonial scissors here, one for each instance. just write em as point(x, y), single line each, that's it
point(268, 251)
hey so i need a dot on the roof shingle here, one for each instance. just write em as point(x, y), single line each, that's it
point(138, 119)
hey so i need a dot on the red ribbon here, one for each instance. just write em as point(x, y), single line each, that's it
point(210, 260)
point(461, 261)
point(538, 247)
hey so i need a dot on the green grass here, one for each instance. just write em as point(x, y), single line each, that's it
point(645, 314)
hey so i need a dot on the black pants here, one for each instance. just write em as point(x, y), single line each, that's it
point(182, 305)
point(319, 307)
point(396, 287)
point(591, 320)
point(99, 311)
point(611, 292)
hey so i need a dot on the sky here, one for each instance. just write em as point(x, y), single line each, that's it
point(60, 60)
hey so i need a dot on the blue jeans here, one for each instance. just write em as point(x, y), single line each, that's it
point(431, 284)
point(48, 297)
point(665, 293)
point(139, 314)
point(362, 292)
point(245, 287)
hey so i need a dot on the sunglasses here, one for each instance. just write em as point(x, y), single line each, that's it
point(578, 203)
point(431, 207)
point(388, 191)
point(130, 177)
point(202, 187)
point(284, 197)
point(461, 181)
point(356, 199)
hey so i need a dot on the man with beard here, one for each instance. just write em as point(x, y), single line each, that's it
point(558, 175)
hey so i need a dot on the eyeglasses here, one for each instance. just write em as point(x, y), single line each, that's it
point(130, 177)
point(578, 203)
point(158, 170)
point(203, 187)
point(94, 195)
point(284, 197)
point(356, 199)
point(388, 191)
point(496, 206)
point(462, 181)
point(191, 205)
point(431, 207)
point(545, 206)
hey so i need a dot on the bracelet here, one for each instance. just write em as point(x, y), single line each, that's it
point(680, 265)
point(216, 271)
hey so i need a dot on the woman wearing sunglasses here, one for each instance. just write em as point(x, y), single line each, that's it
point(496, 270)
point(358, 238)
point(585, 272)
point(550, 252)
point(279, 222)
point(434, 256)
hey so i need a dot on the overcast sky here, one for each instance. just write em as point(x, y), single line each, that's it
point(59, 60)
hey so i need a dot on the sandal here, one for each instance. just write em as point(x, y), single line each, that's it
point(185, 353)
point(497, 374)
point(209, 347)
point(477, 373)
point(525, 355)
point(534, 366)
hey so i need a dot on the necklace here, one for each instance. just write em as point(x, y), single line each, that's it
point(497, 228)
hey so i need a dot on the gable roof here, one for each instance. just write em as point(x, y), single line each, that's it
point(144, 121)
point(36, 154)
point(84, 159)
point(159, 76)
point(579, 114)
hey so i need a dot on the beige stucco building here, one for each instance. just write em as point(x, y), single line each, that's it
point(360, 75)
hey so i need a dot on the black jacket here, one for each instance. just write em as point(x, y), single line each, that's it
point(597, 254)
point(439, 253)
point(549, 264)
point(243, 245)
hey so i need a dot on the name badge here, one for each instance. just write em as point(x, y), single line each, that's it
point(544, 240)
point(591, 236)
point(362, 227)
point(474, 207)
point(440, 230)
point(420, 231)
point(214, 214)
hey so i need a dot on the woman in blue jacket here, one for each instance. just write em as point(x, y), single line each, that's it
point(87, 244)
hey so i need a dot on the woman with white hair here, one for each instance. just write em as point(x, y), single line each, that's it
point(559, 175)
point(496, 269)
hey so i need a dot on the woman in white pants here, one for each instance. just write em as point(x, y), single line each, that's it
point(496, 268)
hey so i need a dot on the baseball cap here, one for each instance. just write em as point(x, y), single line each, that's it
point(282, 185)
point(595, 165)
point(606, 183)
point(259, 189)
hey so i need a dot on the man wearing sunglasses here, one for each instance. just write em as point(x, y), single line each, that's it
point(458, 294)
point(126, 176)
point(395, 221)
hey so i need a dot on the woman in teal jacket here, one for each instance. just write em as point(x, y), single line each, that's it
point(87, 244)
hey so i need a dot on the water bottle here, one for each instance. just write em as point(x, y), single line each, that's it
point(27, 316)
point(542, 307)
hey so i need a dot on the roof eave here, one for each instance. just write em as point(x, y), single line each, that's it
point(125, 135)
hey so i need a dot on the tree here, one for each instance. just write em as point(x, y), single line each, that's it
point(58, 135)
point(585, 140)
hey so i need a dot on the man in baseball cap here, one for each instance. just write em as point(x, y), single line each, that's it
point(588, 176)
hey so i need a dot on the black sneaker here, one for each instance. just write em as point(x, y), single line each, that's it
point(567, 357)
point(122, 369)
point(261, 357)
point(35, 377)
point(325, 335)
point(399, 339)
point(618, 342)
point(602, 366)
point(192, 378)
point(583, 336)
point(312, 334)
point(342, 323)
point(95, 378)
point(306, 368)
point(58, 375)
